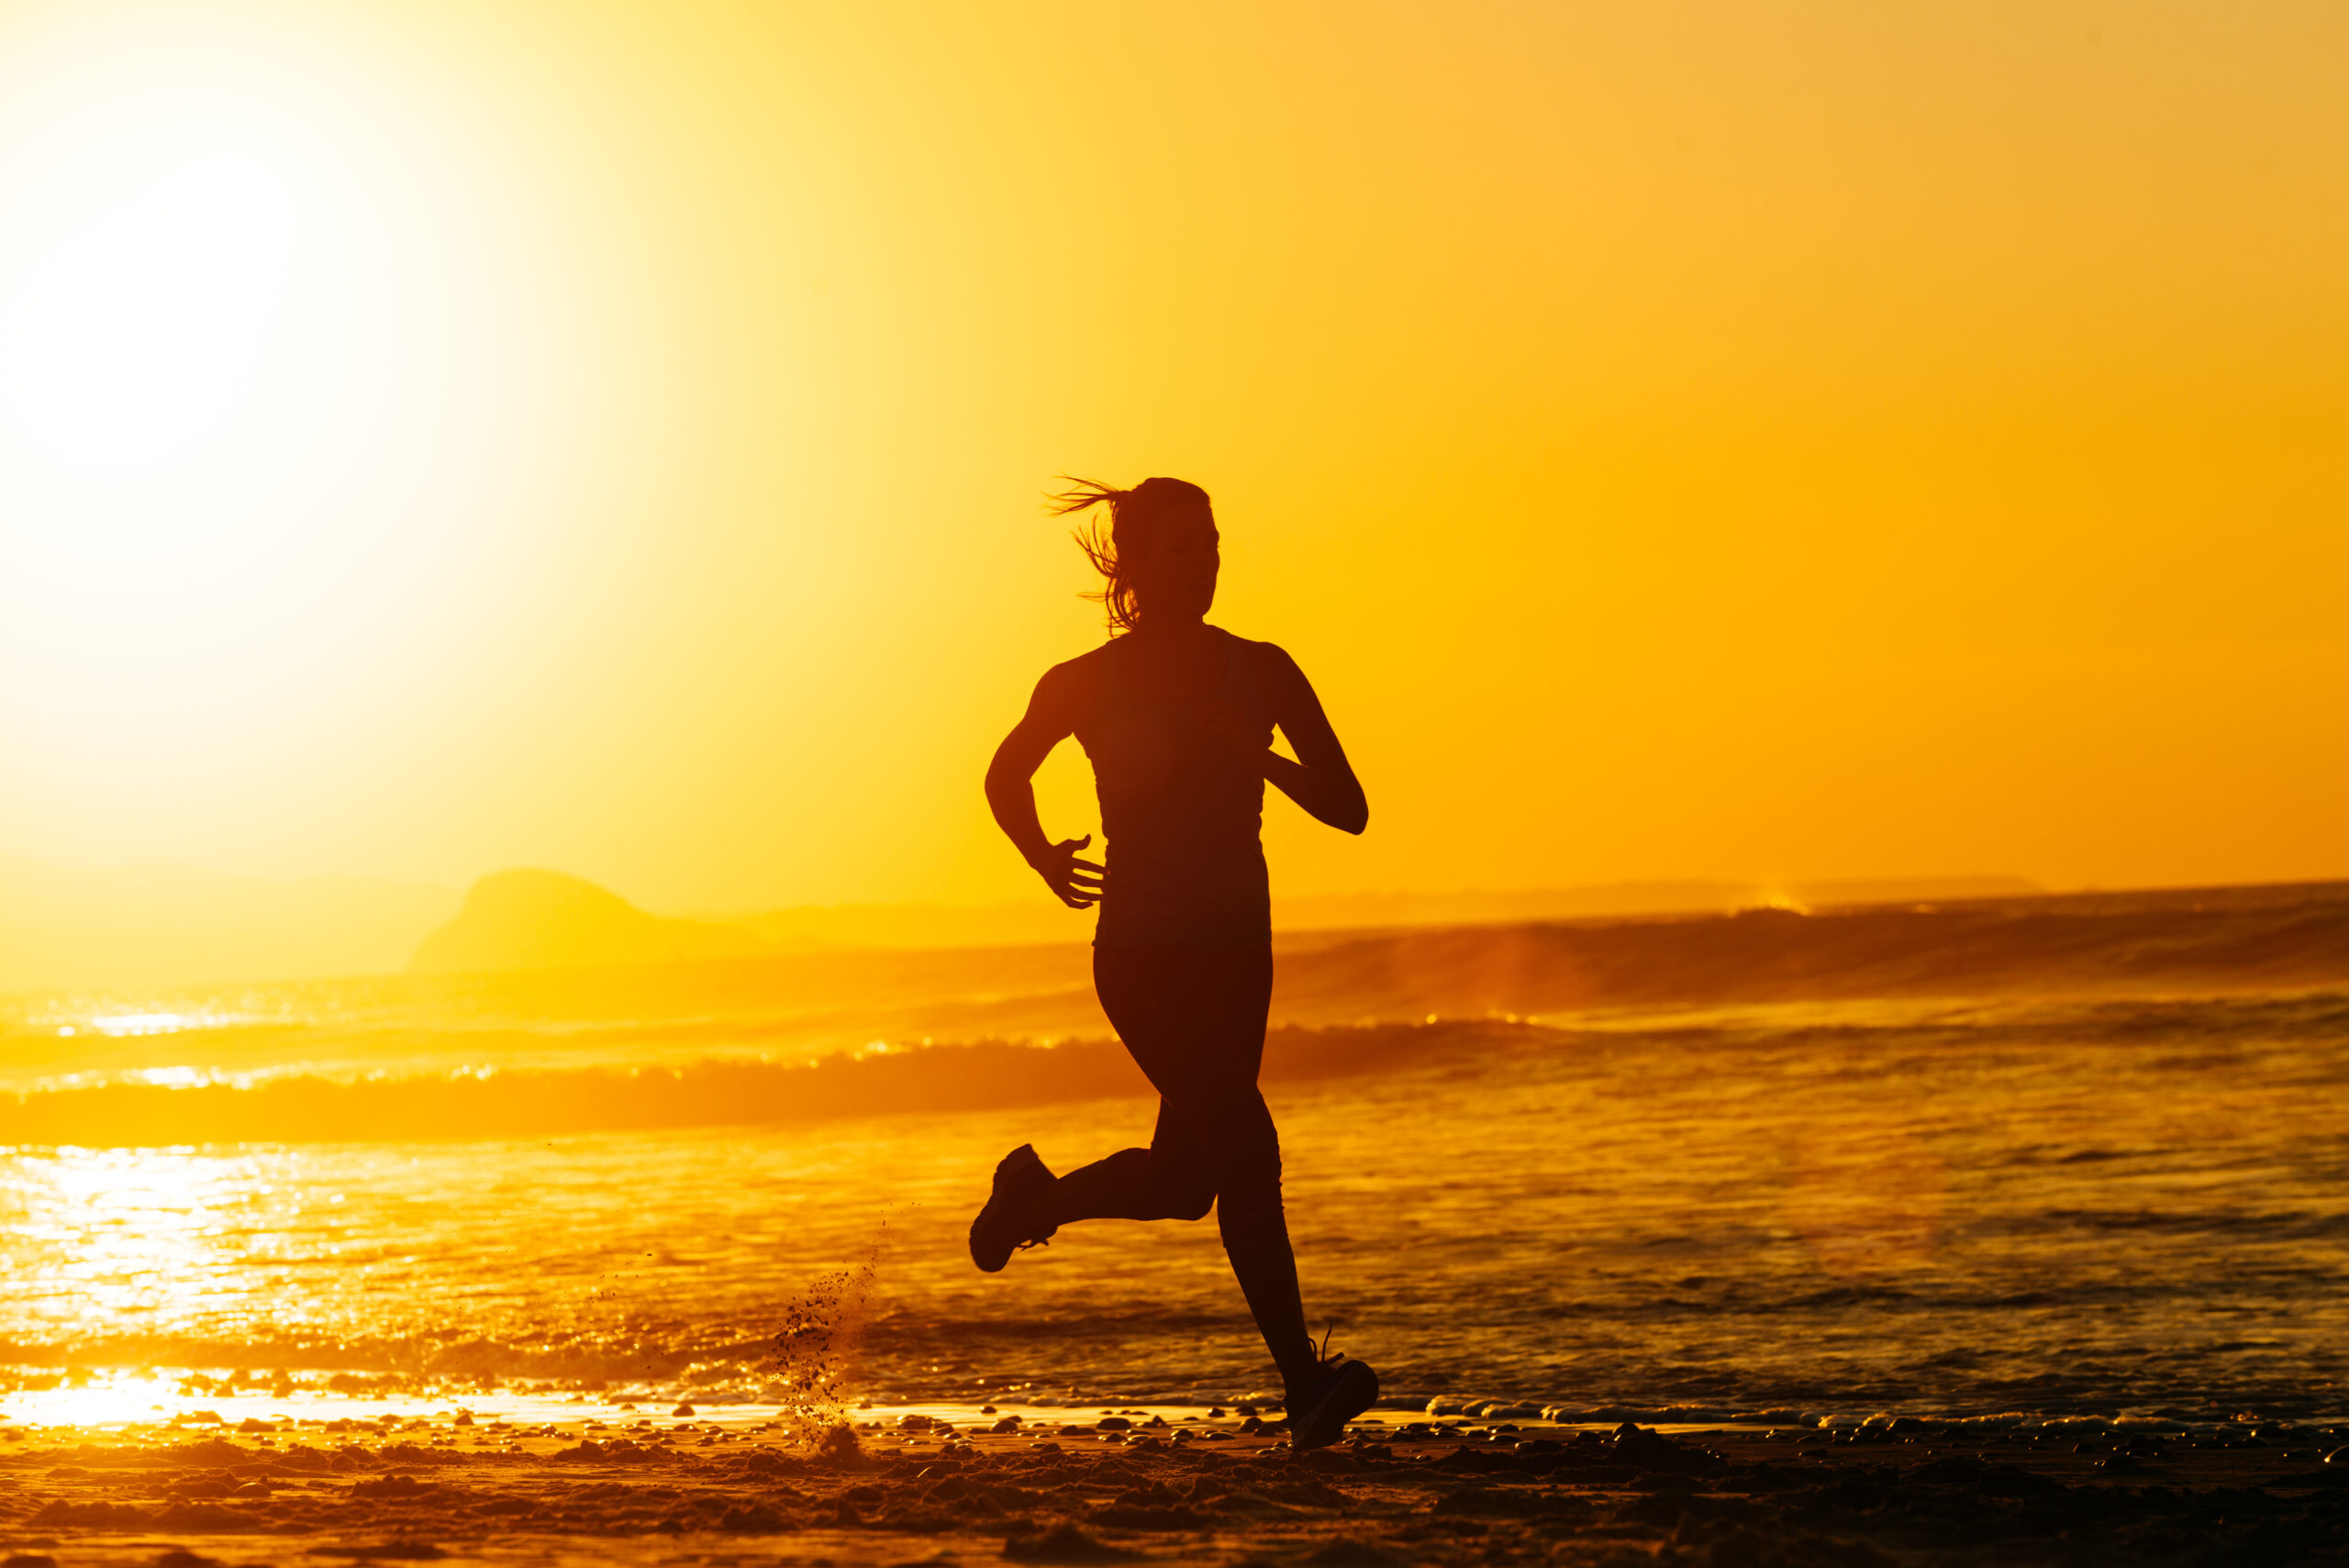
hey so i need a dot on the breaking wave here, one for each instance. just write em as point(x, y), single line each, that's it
point(994, 1075)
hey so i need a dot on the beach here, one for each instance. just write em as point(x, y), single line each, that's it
point(2050, 1268)
point(627, 625)
point(1170, 1485)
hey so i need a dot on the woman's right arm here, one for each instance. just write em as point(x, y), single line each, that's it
point(1049, 719)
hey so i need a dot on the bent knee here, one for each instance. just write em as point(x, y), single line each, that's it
point(1241, 1125)
point(1253, 1154)
point(1185, 1189)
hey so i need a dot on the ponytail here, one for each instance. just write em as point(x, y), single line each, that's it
point(1135, 518)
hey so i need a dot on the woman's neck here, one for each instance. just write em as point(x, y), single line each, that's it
point(1169, 633)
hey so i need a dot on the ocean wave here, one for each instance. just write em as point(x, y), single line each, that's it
point(2243, 943)
point(186, 1106)
point(509, 1104)
point(2234, 942)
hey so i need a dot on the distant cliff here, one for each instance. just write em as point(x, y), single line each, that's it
point(543, 920)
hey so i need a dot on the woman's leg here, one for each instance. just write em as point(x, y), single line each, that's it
point(1166, 1181)
point(1194, 1019)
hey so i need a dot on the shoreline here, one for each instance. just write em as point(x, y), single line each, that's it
point(1055, 1485)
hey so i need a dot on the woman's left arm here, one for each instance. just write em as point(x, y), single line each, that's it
point(1320, 779)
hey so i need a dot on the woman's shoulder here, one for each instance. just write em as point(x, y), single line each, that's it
point(1075, 680)
point(1086, 667)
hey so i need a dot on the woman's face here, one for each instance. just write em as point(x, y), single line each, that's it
point(1174, 579)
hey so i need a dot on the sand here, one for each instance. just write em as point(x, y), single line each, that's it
point(1175, 1486)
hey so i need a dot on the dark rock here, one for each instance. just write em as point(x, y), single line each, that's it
point(394, 1486)
point(412, 1454)
point(1652, 1450)
point(1491, 1502)
point(214, 1453)
point(619, 1450)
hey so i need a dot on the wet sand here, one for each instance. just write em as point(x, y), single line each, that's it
point(1169, 1485)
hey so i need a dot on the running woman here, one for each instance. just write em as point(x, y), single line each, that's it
point(1177, 717)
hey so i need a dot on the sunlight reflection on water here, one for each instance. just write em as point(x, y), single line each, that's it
point(1917, 1216)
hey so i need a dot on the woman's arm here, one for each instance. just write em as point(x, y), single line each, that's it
point(1051, 718)
point(1320, 779)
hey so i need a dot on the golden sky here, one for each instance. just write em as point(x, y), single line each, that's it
point(1679, 438)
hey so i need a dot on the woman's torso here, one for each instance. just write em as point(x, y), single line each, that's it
point(1182, 808)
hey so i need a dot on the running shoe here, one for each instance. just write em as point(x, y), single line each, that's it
point(1347, 1389)
point(1007, 1225)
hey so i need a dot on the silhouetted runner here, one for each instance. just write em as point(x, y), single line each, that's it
point(1177, 717)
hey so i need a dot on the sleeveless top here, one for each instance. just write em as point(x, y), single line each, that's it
point(1180, 815)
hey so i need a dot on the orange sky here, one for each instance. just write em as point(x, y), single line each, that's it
point(1679, 439)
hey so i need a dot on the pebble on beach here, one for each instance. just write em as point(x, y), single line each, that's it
point(916, 1489)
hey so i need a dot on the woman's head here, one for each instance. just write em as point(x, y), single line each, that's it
point(1160, 554)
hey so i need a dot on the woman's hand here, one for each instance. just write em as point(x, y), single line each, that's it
point(1320, 779)
point(1051, 718)
point(1075, 882)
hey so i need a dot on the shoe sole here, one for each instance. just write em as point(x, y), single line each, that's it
point(1012, 1168)
point(1352, 1391)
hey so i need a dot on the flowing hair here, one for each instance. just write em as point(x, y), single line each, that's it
point(1136, 516)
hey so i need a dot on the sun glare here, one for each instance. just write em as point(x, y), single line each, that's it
point(272, 364)
point(177, 314)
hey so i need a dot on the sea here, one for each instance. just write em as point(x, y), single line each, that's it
point(2041, 1156)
